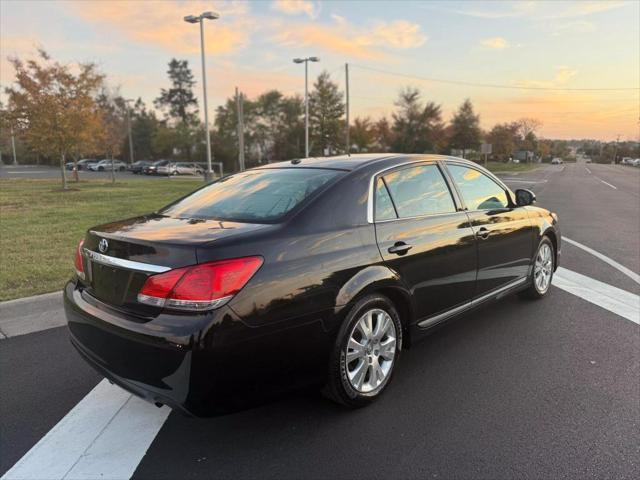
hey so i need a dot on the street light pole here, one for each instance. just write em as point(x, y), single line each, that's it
point(306, 98)
point(208, 175)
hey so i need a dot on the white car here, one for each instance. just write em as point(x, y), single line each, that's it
point(105, 165)
point(557, 161)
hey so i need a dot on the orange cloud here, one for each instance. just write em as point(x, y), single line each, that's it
point(160, 23)
point(561, 78)
point(360, 42)
point(295, 7)
point(497, 43)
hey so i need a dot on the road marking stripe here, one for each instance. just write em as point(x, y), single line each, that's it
point(588, 171)
point(104, 436)
point(607, 183)
point(514, 180)
point(628, 272)
point(611, 298)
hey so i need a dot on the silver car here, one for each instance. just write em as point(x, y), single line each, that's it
point(184, 168)
point(105, 165)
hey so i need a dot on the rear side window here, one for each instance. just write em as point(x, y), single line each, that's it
point(479, 191)
point(418, 191)
point(252, 196)
point(384, 205)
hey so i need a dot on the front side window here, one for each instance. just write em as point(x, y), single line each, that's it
point(418, 191)
point(252, 196)
point(478, 191)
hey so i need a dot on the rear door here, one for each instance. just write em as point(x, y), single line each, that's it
point(425, 236)
point(504, 232)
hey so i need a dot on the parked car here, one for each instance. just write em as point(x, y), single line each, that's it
point(153, 168)
point(636, 162)
point(309, 272)
point(83, 164)
point(184, 168)
point(557, 161)
point(105, 165)
point(588, 160)
point(138, 166)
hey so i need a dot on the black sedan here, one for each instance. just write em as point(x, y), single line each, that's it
point(139, 166)
point(309, 272)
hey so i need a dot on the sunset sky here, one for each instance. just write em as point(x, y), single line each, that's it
point(538, 46)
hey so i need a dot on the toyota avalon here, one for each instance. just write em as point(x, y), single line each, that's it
point(313, 272)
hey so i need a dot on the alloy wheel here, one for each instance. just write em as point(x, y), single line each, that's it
point(543, 268)
point(371, 351)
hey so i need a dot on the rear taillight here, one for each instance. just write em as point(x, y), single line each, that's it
point(200, 287)
point(79, 264)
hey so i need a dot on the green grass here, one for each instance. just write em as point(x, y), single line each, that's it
point(40, 225)
point(510, 167)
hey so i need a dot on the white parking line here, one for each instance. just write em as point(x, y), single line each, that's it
point(614, 299)
point(588, 171)
point(628, 272)
point(607, 183)
point(104, 436)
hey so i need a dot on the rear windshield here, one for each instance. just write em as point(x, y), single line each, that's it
point(259, 196)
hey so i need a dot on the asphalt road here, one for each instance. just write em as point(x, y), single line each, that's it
point(518, 389)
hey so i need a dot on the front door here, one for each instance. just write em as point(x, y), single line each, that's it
point(424, 237)
point(504, 232)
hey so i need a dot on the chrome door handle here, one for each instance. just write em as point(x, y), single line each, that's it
point(400, 248)
point(483, 233)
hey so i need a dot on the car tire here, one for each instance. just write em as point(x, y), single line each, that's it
point(357, 377)
point(175, 172)
point(541, 271)
point(101, 169)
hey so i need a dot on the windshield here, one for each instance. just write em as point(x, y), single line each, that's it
point(260, 196)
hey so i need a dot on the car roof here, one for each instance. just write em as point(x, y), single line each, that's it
point(355, 161)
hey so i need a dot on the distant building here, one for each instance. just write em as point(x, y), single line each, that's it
point(524, 155)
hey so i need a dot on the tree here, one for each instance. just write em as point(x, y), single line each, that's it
point(144, 126)
point(362, 134)
point(181, 105)
point(504, 139)
point(383, 136)
point(179, 101)
point(112, 109)
point(416, 128)
point(326, 108)
point(53, 107)
point(465, 129)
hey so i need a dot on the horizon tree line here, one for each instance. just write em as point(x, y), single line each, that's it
point(59, 114)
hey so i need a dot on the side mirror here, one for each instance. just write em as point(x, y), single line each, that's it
point(525, 197)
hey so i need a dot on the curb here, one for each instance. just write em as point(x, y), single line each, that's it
point(31, 314)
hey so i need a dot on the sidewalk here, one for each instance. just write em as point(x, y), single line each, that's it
point(31, 314)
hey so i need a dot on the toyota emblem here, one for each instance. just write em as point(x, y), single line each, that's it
point(103, 246)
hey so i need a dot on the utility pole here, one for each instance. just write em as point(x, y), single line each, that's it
point(240, 112)
point(13, 147)
point(615, 151)
point(130, 137)
point(346, 79)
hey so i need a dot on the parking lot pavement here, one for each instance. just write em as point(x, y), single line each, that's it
point(522, 389)
point(39, 172)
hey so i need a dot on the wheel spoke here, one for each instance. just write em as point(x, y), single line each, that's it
point(357, 374)
point(381, 326)
point(355, 350)
point(388, 349)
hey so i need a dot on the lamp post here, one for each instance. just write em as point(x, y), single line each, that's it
point(129, 122)
point(306, 98)
point(208, 175)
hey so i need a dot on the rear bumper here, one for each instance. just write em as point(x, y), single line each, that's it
point(200, 364)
